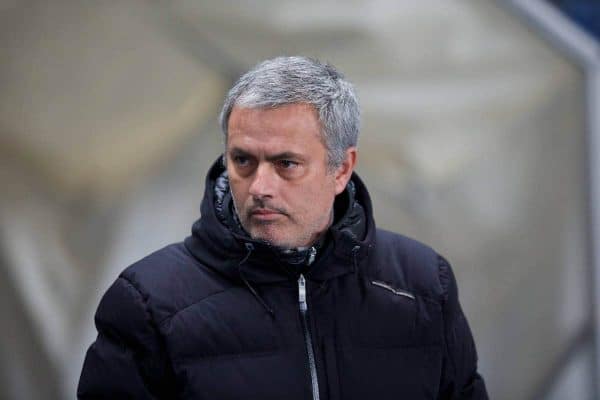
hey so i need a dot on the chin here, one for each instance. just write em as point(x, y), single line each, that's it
point(273, 240)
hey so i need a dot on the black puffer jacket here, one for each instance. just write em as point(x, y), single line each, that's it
point(221, 316)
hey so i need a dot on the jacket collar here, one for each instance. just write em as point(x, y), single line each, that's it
point(229, 251)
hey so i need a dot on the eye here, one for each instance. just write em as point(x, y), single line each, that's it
point(241, 161)
point(287, 164)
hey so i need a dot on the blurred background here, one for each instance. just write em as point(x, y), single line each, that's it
point(480, 122)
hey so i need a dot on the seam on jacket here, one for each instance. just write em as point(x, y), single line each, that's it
point(143, 296)
point(153, 326)
point(393, 346)
point(443, 275)
point(170, 316)
point(229, 356)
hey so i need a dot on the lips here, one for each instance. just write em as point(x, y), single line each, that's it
point(264, 211)
point(265, 214)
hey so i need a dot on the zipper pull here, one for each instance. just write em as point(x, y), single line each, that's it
point(312, 253)
point(302, 294)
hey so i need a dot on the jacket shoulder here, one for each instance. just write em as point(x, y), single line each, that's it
point(408, 264)
point(171, 279)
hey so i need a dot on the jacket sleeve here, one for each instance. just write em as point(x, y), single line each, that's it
point(127, 360)
point(460, 379)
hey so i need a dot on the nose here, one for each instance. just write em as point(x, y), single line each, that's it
point(263, 181)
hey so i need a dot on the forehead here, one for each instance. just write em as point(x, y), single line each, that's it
point(291, 123)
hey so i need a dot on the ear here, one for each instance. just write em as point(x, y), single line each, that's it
point(344, 171)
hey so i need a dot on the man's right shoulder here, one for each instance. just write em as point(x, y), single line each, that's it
point(171, 279)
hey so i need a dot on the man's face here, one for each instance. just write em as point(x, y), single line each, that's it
point(282, 190)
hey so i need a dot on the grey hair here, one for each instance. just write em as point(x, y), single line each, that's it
point(287, 80)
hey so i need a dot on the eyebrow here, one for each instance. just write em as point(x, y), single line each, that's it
point(279, 156)
point(285, 155)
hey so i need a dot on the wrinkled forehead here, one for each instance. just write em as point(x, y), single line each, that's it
point(301, 118)
point(285, 117)
point(292, 128)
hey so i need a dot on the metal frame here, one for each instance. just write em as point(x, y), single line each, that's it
point(581, 48)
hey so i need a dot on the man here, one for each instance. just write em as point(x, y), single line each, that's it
point(285, 289)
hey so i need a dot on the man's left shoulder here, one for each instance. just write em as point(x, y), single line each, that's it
point(407, 262)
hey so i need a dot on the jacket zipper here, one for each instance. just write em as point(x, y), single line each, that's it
point(307, 337)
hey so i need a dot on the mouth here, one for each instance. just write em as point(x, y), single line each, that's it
point(265, 214)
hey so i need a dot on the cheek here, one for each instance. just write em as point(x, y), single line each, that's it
point(318, 199)
point(238, 191)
